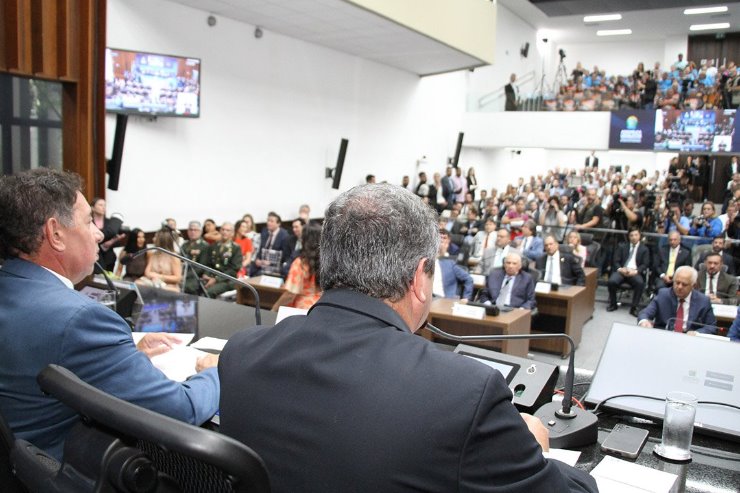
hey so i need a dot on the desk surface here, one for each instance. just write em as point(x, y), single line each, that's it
point(516, 321)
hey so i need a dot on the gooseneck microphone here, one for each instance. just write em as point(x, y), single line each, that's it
point(108, 281)
point(569, 426)
point(689, 325)
point(257, 315)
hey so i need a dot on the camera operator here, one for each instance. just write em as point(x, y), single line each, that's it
point(707, 225)
point(553, 220)
point(673, 220)
point(624, 213)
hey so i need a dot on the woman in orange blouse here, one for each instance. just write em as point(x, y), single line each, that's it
point(302, 283)
point(241, 239)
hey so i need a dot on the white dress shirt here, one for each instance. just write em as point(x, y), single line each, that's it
point(552, 269)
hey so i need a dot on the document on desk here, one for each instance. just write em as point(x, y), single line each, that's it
point(209, 344)
point(570, 457)
point(727, 311)
point(183, 339)
point(614, 475)
point(288, 311)
point(178, 363)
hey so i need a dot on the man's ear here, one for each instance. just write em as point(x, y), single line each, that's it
point(419, 283)
point(54, 235)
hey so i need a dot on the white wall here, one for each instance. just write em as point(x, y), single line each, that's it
point(616, 58)
point(273, 113)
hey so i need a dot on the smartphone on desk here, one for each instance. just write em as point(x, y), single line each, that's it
point(625, 441)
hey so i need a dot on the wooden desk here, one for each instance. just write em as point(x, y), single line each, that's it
point(516, 321)
point(592, 281)
point(565, 311)
point(268, 294)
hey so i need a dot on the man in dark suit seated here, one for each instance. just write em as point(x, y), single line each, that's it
point(448, 276)
point(717, 285)
point(371, 407)
point(718, 246)
point(670, 257)
point(680, 308)
point(510, 286)
point(274, 248)
point(558, 267)
point(630, 265)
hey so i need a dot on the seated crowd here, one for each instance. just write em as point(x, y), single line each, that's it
point(683, 85)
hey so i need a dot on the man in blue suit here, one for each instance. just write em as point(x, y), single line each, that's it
point(680, 308)
point(273, 238)
point(449, 275)
point(49, 243)
point(510, 286)
point(531, 246)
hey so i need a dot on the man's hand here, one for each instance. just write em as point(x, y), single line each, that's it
point(646, 323)
point(156, 343)
point(210, 281)
point(541, 434)
point(207, 361)
point(713, 298)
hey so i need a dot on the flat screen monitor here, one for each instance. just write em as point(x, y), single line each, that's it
point(654, 362)
point(694, 130)
point(632, 129)
point(152, 84)
point(162, 313)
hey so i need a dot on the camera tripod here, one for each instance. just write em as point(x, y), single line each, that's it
point(561, 77)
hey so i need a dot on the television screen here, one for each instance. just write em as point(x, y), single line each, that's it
point(151, 84)
point(694, 130)
point(632, 129)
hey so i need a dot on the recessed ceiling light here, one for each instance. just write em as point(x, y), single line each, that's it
point(708, 27)
point(613, 32)
point(705, 10)
point(602, 18)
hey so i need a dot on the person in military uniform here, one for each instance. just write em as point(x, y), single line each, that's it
point(195, 249)
point(224, 256)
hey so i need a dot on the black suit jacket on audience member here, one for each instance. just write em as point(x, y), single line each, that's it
point(510, 97)
point(727, 259)
point(281, 242)
point(642, 258)
point(664, 257)
point(571, 272)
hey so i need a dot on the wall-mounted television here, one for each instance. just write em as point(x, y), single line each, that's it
point(151, 84)
point(694, 130)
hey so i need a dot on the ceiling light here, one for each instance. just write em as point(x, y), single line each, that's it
point(613, 32)
point(708, 27)
point(602, 18)
point(705, 10)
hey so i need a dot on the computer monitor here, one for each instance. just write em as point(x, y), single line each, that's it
point(654, 362)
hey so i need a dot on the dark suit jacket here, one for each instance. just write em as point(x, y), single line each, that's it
point(522, 293)
point(663, 258)
point(281, 243)
point(726, 287)
point(642, 258)
point(448, 190)
point(510, 104)
point(662, 312)
point(571, 272)
point(348, 399)
point(596, 162)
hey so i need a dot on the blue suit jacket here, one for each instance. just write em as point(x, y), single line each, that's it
point(662, 311)
point(452, 274)
point(734, 333)
point(535, 249)
point(522, 293)
point(42, 321)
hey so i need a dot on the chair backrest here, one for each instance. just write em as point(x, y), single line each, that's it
point(536, 275)
point(8, 480)
point(697, 252)
point(117, 444)
point(586, 238)
point(593, 251)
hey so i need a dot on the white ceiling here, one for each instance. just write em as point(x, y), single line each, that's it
point(342, 26)
point(646, 25)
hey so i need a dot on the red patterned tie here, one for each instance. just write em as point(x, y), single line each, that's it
point(679, 317)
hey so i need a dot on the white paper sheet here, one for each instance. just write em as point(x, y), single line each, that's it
point(179, 363)
point(570, 457)
point(614, 475)
point(209, 343)
point(288, 311)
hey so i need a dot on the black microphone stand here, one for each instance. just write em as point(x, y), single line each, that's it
point(257, 315)
point(569, 426)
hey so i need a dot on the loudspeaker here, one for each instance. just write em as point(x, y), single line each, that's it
point(525, 50)
point(113, 166)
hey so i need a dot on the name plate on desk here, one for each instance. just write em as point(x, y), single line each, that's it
point(542, 287)
point(271, 282)
point(467, 311)
point(478, 279)
point(725, 311)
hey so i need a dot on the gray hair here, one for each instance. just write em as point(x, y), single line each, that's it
point(373, 239)
point(195, 224)
point(690, 270)
point(27, 201)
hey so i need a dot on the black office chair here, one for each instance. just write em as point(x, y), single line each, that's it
point(118, 446)
point(592, 249)
point(20, 460)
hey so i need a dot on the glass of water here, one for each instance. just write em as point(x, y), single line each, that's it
point(678, 426)
point(108, 299)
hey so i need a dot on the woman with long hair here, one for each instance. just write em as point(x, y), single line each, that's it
point(162, 271)
point(135, 266)
point(574, 240)
point(241, 239)
point(303, 283)
point(210, 232)
point(252, 233)
point(111, 233)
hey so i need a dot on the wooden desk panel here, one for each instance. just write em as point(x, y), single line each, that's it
point(592, 281)
point(516, 321)
point(570, 303)
point(268, 294)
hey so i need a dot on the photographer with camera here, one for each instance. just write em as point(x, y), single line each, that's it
point(553, 220)
point(673, 220)
point(708, 225)
point(624, 214)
